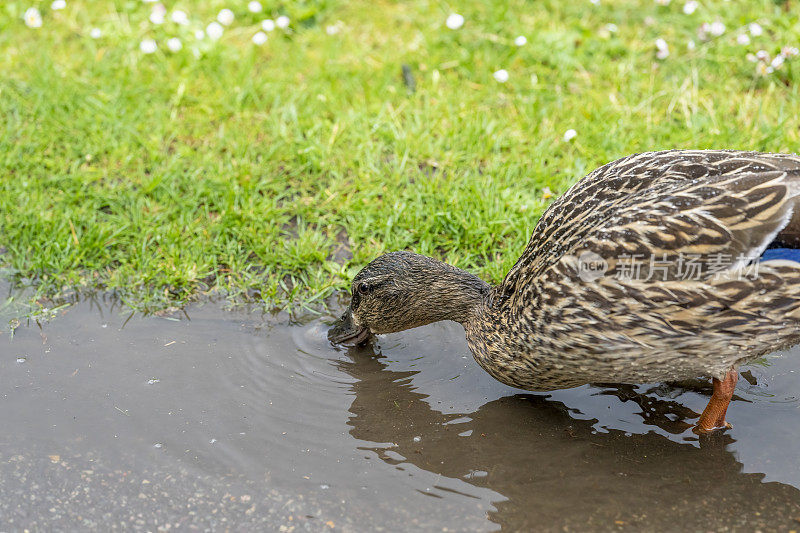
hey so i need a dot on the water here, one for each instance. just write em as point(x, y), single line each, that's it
point(220, 419)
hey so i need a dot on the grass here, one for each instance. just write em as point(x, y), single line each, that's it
point(258, 170)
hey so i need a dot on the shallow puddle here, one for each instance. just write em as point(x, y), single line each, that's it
point(228, 419)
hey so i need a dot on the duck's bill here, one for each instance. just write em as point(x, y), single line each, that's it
point(346, 333)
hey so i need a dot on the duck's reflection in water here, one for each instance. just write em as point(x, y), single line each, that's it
point(557, 472)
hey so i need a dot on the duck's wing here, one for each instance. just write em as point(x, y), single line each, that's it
point(667, 207)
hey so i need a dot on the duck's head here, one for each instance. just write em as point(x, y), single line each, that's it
point(403, 290)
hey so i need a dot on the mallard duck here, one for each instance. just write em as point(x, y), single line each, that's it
point(660, 266)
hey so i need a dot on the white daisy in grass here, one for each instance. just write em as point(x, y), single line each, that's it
point(32, 18)
point(743, 39)
point(268, 25)
point(179, 17)
point(716, 28)
point(282, 22)
point(454, 21)
point(569, 135)
point(199, 34)
point(690, 7)
point(662, 48)
point(501, 75)
point(225, 17)
point(158, 14)
point(95, 33)
point(663, 2)
point(254, 7)
point(789, 51)
point(777, 62)
point(214, 30)
point(691, 45)
point(755, 29)
point(148, 46)
point(259, 38)
point(332, 29)
point(174, 44)
point(521, 40)
point(58, 4)
point(762, 55)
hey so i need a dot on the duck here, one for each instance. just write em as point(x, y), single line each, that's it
point(656, 267)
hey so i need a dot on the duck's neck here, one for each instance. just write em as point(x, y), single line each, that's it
point(452, 294)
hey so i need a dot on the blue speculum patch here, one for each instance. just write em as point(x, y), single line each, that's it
point(787, 254)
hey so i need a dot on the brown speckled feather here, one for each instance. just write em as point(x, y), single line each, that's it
point(652, 188)
point(547, 326)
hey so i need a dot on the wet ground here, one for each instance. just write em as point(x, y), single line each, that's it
point(234, 420)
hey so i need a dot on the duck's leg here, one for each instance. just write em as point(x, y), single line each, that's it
point(713, 417)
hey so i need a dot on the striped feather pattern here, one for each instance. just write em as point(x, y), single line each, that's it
point(548, 326)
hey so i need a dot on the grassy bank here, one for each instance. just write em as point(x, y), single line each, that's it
point(277, 170)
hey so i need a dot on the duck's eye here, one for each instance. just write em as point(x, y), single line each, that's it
point(363, 288)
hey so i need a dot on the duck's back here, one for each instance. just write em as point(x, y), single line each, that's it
point(640, 181)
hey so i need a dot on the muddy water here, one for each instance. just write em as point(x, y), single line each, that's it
point(218, 419)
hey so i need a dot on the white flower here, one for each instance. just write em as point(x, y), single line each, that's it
point(199, 34)
point(762, 69)
point(690, 45)
point(755, 29)
point(282, 22)
point(789, 51)
point(95, 33)
point(752, 58)
point(663, 2)
point(611, 28)
point(58, 4)
point(762, 55)
point(180, 17)
point(268, 25)
point(716, 28)
point(521, 40)
point(501, 75)
point(569, 135)
point(776, 62)
point(158, 14)
point(254, 7)
point(33, 19)
point(260, 38)
point(332, 29)
point(225, 17)
point(454, 21)
point(690, 7)
point(148, 46)
point(662, 49)
point(743, 39)
point(174, 44)
point(214, 30)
